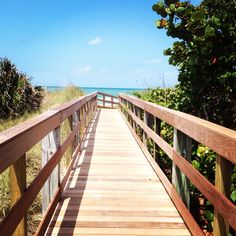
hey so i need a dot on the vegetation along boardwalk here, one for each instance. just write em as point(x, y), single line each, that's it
point(112, 189)
point(112, 184)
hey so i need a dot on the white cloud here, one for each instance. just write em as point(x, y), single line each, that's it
point(95, 41)
point(82, 70)
point(152, 61)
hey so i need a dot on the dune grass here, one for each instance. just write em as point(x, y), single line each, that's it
point(33, 156)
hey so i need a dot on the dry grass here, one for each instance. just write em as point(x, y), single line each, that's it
point(33, 156)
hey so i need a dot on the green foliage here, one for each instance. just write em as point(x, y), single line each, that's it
point(17, 94)
point(172, 98)
point(205, 55)
point(204, 161)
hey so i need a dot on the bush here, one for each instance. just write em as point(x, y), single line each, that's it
point(17, 95)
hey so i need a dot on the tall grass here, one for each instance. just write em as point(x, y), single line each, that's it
point(33, 156)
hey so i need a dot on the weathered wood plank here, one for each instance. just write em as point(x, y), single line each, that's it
point(183, 146)
point(222, 204)
point(112, 185)
point(220, 139)
point(50, 144)
point(117, 231)
point(189, 220)
point(223, 184)
point(17, 187)
point(16, 141)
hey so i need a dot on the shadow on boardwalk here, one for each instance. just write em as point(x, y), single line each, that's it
point(77, 182)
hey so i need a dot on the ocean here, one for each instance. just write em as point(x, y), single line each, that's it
point(112, 91)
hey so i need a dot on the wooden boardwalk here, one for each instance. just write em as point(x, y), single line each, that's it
point(112, 189)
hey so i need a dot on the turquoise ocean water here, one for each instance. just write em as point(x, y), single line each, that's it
point(112, 91)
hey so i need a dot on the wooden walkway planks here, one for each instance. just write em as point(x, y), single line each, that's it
point(112, 189)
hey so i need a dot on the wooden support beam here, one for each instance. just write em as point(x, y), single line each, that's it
point(183, 146)
point(149, 121)
point(104, 98)
point(223, 174)
point(145, 120)
point(73, 122)
point(17, 187)
point(50, 144)
point(157, 130)
point(77, 136)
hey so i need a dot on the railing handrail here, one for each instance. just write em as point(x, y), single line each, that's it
point(104, 100)
point(220, 139)
point(16, 141)
point(107, 94)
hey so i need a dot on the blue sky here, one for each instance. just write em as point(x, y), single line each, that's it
point(86, 42)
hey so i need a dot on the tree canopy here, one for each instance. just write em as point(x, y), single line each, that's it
point(205, 55)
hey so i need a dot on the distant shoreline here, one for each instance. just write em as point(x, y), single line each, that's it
point(54, 86)
point(87, 90)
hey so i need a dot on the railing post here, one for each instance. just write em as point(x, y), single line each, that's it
point(81, 121)
point(120, 101)
point(157, 130)
point(17, 187)
point(87, 114)
point(133, 110)
point(182, 145)
point(103, 102)
point(73, 121)
point(149, 121)
point(223, 174)
point(77, 119)
point(95, 102)
point(50, 144)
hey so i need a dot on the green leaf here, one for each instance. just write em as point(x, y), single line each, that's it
point(168, 11)
point(196, 164)
point(167, 51)
point(233, 195)
point(209, 32)
point(197, 16)
point(233, 178)
point(158, 7)
point(155, 7)
point(209, 215)
point(208, 203)
point(158, 23)
point(216, 20)
point(172, 7)
point(180, 9)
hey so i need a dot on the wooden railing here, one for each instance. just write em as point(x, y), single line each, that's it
point(107, 101)
point(15, 142)
point(147, 117)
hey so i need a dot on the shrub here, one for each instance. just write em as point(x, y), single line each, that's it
point(17, 95)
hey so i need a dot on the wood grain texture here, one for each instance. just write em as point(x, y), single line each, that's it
point(16, 141)
point(188, 218)
point(17, 187)
point(220, 139)
point(20, 208)
point(112, 189)
point(221, 203)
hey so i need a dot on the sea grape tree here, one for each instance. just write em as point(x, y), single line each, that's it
point(205, 54)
